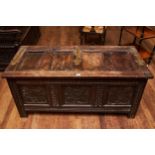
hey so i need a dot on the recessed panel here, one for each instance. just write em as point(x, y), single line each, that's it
point(119, 95)
point(76, 95)
point(33, 94)
point(119, 61)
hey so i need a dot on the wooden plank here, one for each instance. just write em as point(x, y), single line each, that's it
point(77, 74)
point(5, 98)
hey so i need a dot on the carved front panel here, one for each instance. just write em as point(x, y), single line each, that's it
point(120, 95)
point(116, 94)
point(76, 95)
point(32, 94)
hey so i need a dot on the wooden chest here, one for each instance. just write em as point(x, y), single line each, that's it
point(105, 79)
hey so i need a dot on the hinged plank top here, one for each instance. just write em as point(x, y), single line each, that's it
point(78, 61)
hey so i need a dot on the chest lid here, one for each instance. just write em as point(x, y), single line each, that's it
point(78, 61)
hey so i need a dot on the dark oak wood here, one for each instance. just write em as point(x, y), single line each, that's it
point(106, 79)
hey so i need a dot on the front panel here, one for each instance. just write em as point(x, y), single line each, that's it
point(77, 95)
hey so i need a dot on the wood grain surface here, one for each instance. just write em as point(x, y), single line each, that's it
point(62, 36)
point(95, 61)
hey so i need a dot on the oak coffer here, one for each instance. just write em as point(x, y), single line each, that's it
point(102, 79)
